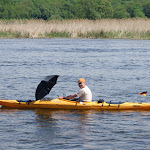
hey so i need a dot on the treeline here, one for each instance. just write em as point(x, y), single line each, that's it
point(74, 9)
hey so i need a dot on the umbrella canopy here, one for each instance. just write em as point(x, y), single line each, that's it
point(45, 86)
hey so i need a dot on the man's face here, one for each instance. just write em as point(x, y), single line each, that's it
point(81, 84)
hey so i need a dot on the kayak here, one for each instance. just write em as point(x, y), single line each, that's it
point(73, 105)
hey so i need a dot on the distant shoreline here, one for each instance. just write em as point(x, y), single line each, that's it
point(136, 28)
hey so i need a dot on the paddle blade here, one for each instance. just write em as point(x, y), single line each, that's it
point(143, 93)
point(45, 86)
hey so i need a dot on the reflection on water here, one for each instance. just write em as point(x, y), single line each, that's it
point(65, 129)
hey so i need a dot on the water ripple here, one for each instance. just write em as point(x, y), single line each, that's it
point(115, 70)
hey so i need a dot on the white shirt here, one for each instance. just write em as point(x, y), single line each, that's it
point(85, 94)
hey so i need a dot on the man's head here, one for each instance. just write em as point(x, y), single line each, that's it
point(81, 83)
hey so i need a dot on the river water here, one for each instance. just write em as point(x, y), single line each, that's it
point(115, 70)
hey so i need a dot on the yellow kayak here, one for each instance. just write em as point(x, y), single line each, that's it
point(68, 104)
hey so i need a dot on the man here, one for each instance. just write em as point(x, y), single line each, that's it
point(84, 94)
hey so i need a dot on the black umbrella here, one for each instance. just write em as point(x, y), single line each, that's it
point(45, 86)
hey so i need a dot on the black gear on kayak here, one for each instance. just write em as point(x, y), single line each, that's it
point(45, 86)
point(100, 101)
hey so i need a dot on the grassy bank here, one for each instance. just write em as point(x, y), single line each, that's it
point(105, 28)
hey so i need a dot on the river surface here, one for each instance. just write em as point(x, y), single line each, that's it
point(115, 70)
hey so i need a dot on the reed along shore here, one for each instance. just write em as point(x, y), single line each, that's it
point(136, 28)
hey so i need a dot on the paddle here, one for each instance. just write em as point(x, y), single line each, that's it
point(71, 101)
point(45, 86)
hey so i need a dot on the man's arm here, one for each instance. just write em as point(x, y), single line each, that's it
point(68, 97)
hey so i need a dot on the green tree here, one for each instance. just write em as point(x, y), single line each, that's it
point(5, 8)
point(139, 13)
point(147, 9)
point(73, 9)
point(88, 9)
point(134, 8)
point(67, 10)
point(121, 13)
point(105, 9)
